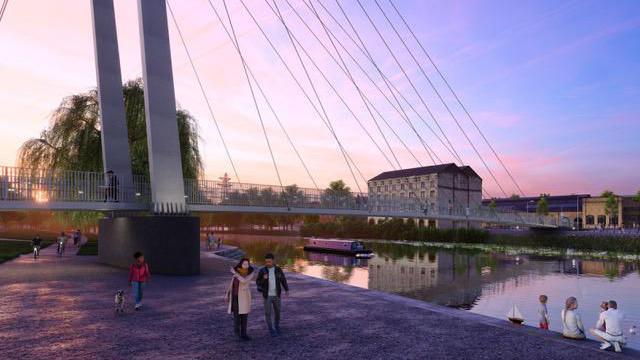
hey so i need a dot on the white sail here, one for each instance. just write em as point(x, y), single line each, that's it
point(515, 313)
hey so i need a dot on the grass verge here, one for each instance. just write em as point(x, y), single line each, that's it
point(11, 249)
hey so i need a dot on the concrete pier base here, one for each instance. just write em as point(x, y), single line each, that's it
point(171, 245)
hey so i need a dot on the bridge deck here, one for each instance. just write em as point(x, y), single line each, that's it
point(32, 189)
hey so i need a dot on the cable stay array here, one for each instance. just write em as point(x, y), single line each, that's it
point(373, 98)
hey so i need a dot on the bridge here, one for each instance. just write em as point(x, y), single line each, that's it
point(167, 197)
point(34, 189)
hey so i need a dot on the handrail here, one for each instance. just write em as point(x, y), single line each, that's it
point(42, 185)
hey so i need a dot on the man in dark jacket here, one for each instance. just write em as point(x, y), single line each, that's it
point(271, 281)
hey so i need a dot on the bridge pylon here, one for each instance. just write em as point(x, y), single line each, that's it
point(171, 243)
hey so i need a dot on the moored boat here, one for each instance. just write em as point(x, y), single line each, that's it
point(348, 247)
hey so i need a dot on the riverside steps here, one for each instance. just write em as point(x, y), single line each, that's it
point(63, 308)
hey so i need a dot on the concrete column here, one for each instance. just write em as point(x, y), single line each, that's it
point(165, 165)
point(620, 205)
point(115, 141)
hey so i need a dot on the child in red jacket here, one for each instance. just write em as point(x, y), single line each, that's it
point(139, 274)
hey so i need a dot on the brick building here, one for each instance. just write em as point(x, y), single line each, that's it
point(439, 188)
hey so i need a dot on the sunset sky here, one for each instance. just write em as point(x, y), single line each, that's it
point(554, 85)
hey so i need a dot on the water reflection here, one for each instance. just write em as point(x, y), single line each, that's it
point(488, 283)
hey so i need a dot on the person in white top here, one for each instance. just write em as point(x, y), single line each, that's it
point(572, 327)
point(613, 335)
point(542, 311)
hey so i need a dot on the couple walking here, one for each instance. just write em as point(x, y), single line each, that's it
point(270, 281)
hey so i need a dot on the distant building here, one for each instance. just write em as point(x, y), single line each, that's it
point(579, 211)
point(439, 188)
point(626, 215)
point(566, 208)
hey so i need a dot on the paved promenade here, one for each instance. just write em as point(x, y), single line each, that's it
point(63, 308)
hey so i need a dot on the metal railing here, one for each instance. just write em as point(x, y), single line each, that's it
point(206, 192)
point(220, 193)
point(41, 186)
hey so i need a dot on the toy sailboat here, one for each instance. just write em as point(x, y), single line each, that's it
point(515, 316)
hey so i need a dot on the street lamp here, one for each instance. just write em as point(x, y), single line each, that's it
point(529, 202)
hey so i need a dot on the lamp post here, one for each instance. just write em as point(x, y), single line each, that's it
point(578, 209)
point(529, 202)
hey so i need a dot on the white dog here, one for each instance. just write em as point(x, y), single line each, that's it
point(119, 301)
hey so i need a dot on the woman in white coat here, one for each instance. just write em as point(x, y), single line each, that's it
point(238, 296)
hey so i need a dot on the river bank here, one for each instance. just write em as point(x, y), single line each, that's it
point(186, 317)
point(586, 241)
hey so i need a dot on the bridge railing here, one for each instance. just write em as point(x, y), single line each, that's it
point(220, 193)
point(207, 192)
point(42, 185)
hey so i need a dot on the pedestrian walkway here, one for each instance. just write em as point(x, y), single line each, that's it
point(63, 308)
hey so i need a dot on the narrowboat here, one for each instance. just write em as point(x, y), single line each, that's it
point(348, 247)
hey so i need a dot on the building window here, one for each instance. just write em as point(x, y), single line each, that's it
point(423, 194)
point(602, 220)
point(432, 183)
point(386, 188)
point(410, 186)
point(378, 188)
point(423, 185)
point(589, 220)
point(411, 194)
point(613, 220)
point(401, 186)
point(432, 194)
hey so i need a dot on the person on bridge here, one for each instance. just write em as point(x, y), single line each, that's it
point(238, 297)
point(111, 191)
point(139, 274)
point(613, 335)
point(271, 281)
point(572, 327)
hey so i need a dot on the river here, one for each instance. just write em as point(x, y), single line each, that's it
point(486, 281)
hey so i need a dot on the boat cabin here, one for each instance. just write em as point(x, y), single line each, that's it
point(351, 247)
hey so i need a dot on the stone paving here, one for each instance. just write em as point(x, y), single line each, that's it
point(63, 308)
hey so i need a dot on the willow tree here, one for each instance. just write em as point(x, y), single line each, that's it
point(72, 140)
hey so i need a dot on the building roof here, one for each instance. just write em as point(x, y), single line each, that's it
point(425, 170)
point(468, 171)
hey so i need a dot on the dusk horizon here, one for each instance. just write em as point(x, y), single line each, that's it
point(553, 85)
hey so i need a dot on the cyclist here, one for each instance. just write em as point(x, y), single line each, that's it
point(36, 243)
point(62, 241)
